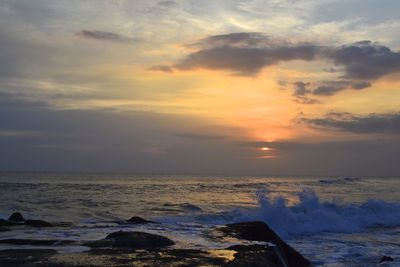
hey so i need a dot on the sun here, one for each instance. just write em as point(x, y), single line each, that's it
point(265, 148)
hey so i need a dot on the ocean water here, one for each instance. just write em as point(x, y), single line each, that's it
point(333, 221)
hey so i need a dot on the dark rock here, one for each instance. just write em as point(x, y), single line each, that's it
point(260, 231)
point(2, 229)
point(255, 256)
point(385, 259)
point(133, 240)
point(8, 223)
point(34, 242)
point(38, 223)
point(138, 220)
point(24, 257)
point(16, 217)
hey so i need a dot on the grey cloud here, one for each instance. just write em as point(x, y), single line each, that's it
point(325, 88)
point(246, 53)
point(360, 85)
point(366, 60)
point(35, 136)
point(300, 88)
point(328, 88)
point(162, 68)
point(106, 36)
point(373, 123)
point(237, 39)
point(244, 60)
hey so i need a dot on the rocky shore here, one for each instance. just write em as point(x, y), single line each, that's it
point(138, 248)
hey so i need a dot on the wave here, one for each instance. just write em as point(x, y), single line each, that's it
point(309, 216)
point(340, 180)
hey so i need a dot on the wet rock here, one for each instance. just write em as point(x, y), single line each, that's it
point(25, 257)
point(260, 231)
point(133, 240)
point(385, 259)
point(16, 217)
point(255, 255)
point(138, 220)
point(35, 242)
point(8, 223)
point(38, 223)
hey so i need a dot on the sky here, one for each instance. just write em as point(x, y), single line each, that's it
point(255, 87)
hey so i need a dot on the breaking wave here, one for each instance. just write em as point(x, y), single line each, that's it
point(311, 216)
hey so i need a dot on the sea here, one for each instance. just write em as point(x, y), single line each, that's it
point(332, 221)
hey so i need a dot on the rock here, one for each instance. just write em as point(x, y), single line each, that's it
point(260, 231)
point(2, 229)
point(255, 256)
point(134, 240)
point(385, 259)
point(8, 223)
point(38, 223)
point(16, 217)
point(34, 242)
point(25, 257)
point(138, 220)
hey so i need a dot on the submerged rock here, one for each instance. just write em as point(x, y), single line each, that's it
point(38, 223)
point(25, 257)
point(134, 240)
point(260, 231)
point(35, 242)
point(138, 220)
point(385, 259)
point(16, 217)
point(8, 223)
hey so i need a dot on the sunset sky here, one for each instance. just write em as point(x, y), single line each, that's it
point(279, 87)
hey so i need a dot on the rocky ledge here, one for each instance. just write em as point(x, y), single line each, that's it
point(135, 248)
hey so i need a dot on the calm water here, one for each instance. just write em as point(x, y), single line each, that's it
point(334, 221)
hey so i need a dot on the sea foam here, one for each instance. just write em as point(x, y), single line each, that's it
point(311, 216)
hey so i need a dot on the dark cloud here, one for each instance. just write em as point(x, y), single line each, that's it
point(246, 53)
point(300, 88)
point(162, 68)
point(360, 85)
point(35, 136)
point(324, 88)
point(366, 60)
point(106, 36)
point(374, 123)
point(246, 61)
point(328, 88)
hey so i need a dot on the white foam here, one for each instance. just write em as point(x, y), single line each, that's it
point(310, 216)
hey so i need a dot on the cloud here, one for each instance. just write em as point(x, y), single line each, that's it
point(106, 36)
point(324, 88)
point(162, 68)
point(366, 60)
point(167, 4)
point(243, 53)
point(247, 53)
point(374, 123)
